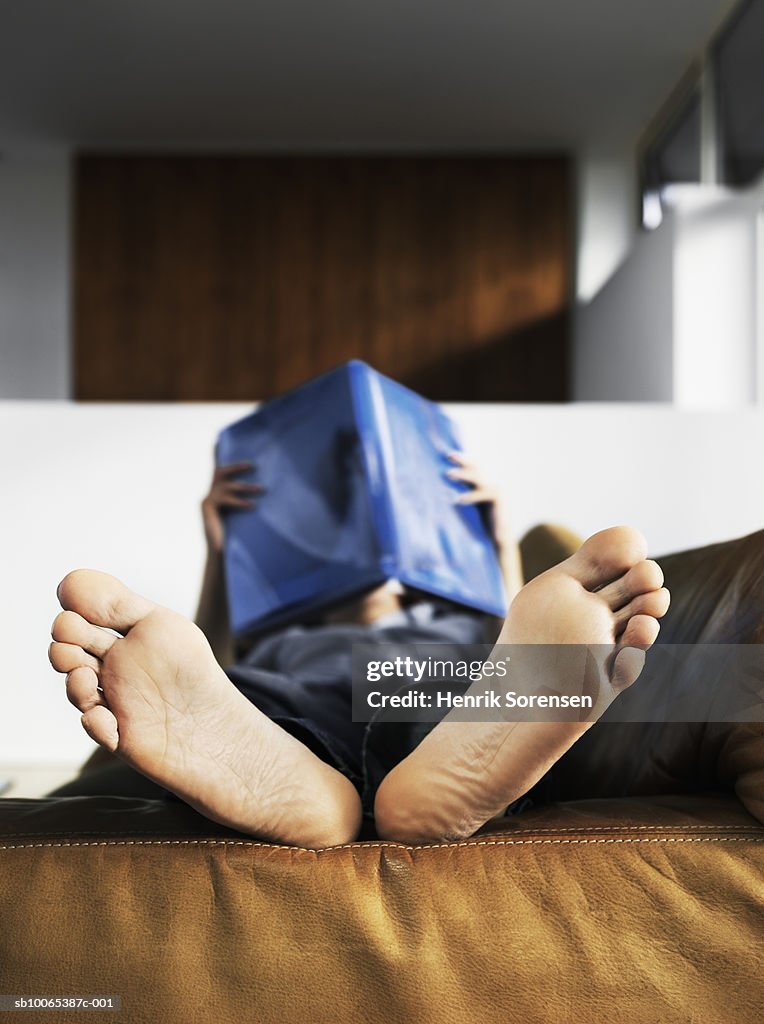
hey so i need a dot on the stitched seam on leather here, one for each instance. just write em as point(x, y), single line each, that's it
point(659, 829)
point(392, 846)
point(122, 831)
point(631, 828)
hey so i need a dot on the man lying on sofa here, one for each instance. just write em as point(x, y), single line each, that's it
point(270, 749)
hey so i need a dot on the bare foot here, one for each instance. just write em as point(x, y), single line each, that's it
point(157, 698)
point(464, 773)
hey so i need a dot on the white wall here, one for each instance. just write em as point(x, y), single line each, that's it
point(34, 273)
point(624, 336)
point(606, 206)
point(716, 306)
point(117, 488)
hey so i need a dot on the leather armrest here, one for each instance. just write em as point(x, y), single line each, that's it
point(638, 909)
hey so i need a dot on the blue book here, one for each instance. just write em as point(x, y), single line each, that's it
point(353, 468)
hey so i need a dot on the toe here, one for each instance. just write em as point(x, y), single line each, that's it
point(655, 603)
point(645, 576)
point(66, 657)
point(641, 631)
point(627, 664)
point(101, 725)
point(71, 628)
point(102, 599)
point(82, 689)
point(607, 555)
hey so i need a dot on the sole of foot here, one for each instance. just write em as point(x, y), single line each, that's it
point(607, 596)
point(150, 691)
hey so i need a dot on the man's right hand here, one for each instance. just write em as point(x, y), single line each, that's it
point(225, 492)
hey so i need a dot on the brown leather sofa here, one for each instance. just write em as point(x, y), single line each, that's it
point(632, 891)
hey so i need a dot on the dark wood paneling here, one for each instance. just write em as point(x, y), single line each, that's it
point(235, 277)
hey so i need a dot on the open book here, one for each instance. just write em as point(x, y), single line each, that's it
point(353, 469)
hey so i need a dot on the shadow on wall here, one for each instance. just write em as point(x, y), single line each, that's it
point(529, 364)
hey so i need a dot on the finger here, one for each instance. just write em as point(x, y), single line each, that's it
point(459, 458)
point(476, 496)
point(467, 474)
point(231, 469)
point(235, 488)
point(222, 491)
point(232, 501)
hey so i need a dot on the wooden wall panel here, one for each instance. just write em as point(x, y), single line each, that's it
point(235, 277)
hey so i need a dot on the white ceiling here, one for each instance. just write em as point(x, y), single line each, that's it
point(302, 74)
